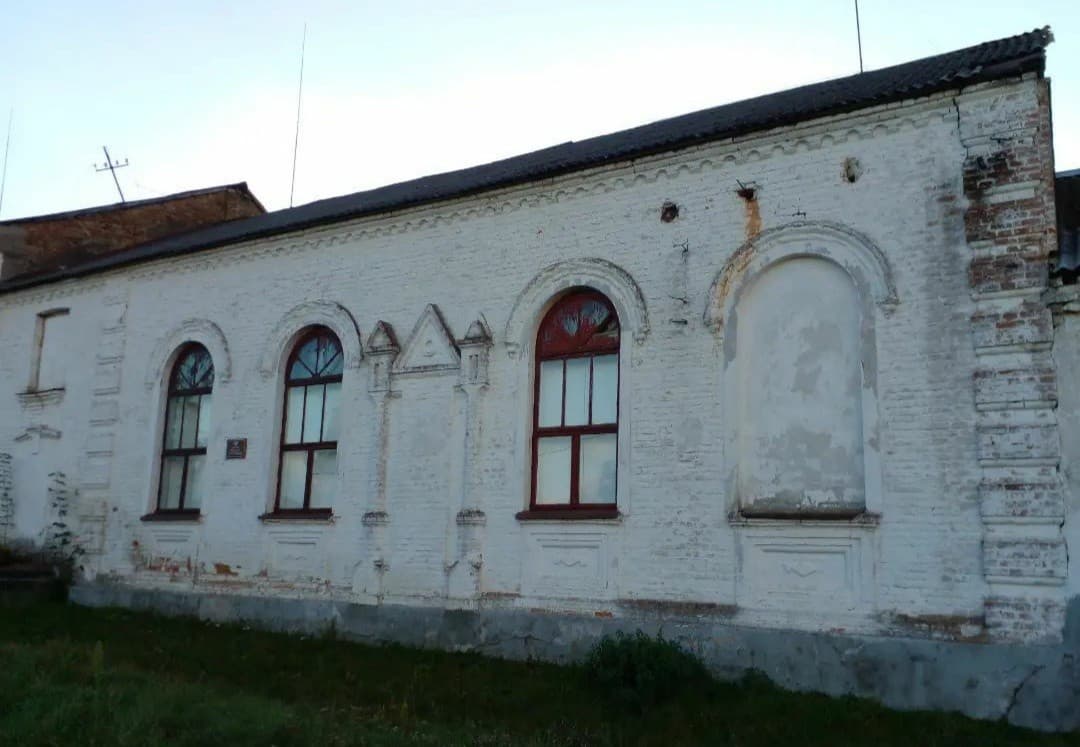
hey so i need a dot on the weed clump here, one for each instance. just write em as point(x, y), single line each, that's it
point(637, 672)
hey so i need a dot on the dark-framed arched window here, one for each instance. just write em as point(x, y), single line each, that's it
point(307, 469)
point(187, 429)
point(576, 405)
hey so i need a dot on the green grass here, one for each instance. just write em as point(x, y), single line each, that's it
point(74, 676)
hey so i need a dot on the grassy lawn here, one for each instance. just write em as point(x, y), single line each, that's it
point(74, 676)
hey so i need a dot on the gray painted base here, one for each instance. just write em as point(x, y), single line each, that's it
point(1032, 686)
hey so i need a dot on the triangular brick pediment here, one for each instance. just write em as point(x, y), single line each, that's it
point(382, 339)
point(430, 347)
point(478, 334)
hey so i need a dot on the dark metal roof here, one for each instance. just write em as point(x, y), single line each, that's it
point(1067, 197)
point(1008, 57)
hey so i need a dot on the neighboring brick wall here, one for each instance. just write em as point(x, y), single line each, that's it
point(7, 497)
point(50, 243)
point(1010, 227)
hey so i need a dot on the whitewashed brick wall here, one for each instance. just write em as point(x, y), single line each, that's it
point(433, 468)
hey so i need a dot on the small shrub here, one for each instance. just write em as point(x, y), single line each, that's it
point(636, 672)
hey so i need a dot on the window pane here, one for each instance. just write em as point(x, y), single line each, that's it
point(313, 414)
point(174, 418)
point(597, 484)
point(335, 361)
point(605, 393)
point(306, 360)
point(324, 478)
point(191, 422)
point(329, 357)
point(204, 422)
point(294, 414)
point(551, 393)
point(330, 412)
point(172, 476)
point(203, 370)
point(577, 391)
point(293, 479)
point(553, 470)
point(193, 490)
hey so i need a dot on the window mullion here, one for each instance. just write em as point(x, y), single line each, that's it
point(183, 486)
point(575, 468)
point(322, 414)
point(592, 383)
point(562, 413)
point(303, 415)
point(198, 417)
point(307, 476)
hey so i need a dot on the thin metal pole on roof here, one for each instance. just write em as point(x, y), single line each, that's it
point(296, 137)
point(7, 147)
point(111, 166)
point(858, 34)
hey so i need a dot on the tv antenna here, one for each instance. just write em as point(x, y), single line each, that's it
point(858, 34)
point(111, 166)
point(7, 147)
point(299, 97)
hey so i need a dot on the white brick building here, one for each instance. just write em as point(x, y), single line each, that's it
point(837, 426)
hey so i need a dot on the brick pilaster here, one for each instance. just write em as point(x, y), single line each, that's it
point(1010, 229)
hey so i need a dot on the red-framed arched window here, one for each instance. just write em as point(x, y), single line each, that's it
point(576, 409)
point(187, 429)
point(307, 469)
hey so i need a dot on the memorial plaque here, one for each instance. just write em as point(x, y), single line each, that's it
point(236, 448)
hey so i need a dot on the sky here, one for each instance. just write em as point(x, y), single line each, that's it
point(200, 93)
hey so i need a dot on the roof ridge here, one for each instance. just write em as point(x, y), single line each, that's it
point(1007, 57)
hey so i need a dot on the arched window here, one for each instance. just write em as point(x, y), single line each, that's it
point(307, 470)
point(187, 427)
point(576, 415)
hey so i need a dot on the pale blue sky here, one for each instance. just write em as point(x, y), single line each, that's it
point(200, 93)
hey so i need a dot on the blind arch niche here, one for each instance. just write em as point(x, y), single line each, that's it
point(798, 379)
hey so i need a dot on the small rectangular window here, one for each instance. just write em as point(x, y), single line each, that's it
point(313, 415)
point(172, 482)
point(323, 478)
point(577, 391)
point(605, 393)
point(52, 342)
point(193, 489)
point(551, 393)
point(294, 415)
point(330, 410)
point(293, 478)
point(553, 470)
point(598, 468)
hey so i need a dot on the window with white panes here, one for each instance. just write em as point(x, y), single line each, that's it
point(307, 470)
point(576, 415)
point(187, 430)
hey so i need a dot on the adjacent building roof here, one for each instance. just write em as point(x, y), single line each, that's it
point(1067, 197)
point(997, 59)
point(43, 245)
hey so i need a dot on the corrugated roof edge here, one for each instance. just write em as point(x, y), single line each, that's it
point(240, 186)
point(1002, 58)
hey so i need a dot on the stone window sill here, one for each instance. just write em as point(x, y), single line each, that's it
point(298, 517)
point(193, 517)
point(569, 514)
point(41, 397)
point(837, 518)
